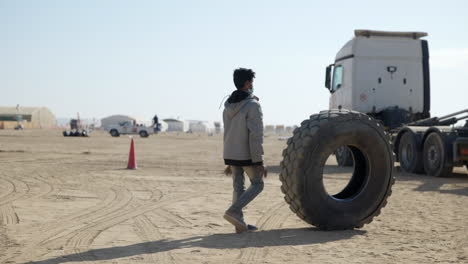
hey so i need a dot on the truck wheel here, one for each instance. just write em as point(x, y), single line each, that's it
point(434, 156)
point(114, 133)
point(143, 134)
point(304, 160)
point(344, 157)
point(409, 154)
point(65, 133)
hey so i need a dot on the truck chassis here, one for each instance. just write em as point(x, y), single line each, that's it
point(432, 145)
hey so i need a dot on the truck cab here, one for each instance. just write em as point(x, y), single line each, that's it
point(128, 127)
point(382, 74)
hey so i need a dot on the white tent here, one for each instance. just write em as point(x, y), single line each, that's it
point(217, 127)
point(163, 126)
point(289, 129)
point(29, 117)
point(176, 125)
point(280, 129)
point(196, 126)
point(115, 120)
point(269, 129)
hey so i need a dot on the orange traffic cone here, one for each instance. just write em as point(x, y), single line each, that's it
point(131, 157)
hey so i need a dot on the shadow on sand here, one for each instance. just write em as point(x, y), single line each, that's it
point(435, 184)
point(279, 237)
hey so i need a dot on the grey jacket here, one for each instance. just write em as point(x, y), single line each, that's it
point(243, 130)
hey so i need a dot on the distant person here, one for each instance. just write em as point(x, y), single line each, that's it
point(243, 146)
point(155, 120)
point(156, 123)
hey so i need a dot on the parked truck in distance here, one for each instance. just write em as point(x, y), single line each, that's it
point(77, 129)
point(130, 128)
point(386, 75)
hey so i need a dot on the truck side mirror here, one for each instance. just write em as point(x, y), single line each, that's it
point(328, 76)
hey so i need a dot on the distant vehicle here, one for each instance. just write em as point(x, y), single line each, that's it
point(130, 128)
point(77, 129)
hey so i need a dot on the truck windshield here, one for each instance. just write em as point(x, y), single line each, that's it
point(337, 78)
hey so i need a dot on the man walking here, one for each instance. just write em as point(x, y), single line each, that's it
point(243, 146)
point(156, 127)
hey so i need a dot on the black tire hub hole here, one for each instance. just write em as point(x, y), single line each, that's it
point(345, 182)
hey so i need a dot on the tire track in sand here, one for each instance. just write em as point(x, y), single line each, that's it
point(272, 219)
point(148, 232)
point(84, 237)
point(8, 215)
point(45, 187)
point(16, 190)
point(175, 218)
point(121, 197)
point(115, 200)
point(79, 243)
point(7, 188)
point(76, 245)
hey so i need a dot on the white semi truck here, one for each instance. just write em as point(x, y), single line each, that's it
point(379, 107)
point(386, 75)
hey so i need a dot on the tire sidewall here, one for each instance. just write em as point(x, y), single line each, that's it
point(408, 139)
point(434, 139)
point(340, 213)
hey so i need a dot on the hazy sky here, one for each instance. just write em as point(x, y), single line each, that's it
point(175, 58)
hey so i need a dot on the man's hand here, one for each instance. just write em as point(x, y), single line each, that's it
point(262, 169)
point(228, 171)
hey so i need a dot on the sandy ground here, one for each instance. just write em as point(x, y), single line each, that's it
point(70, 200)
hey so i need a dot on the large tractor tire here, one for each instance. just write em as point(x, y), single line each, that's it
point(304, 160)
point(344, 157)
point(435, 158)
point(410, 154)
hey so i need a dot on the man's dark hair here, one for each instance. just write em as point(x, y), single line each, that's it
point(242, 75)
